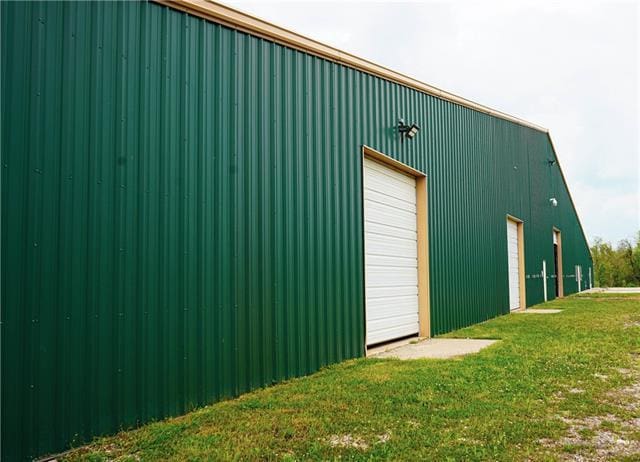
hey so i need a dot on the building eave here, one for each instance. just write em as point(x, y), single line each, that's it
point(238, 20)
point(252, 25)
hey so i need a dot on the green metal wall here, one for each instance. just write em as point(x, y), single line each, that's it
point(181, 214)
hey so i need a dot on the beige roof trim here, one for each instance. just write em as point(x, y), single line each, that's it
point(250, 24)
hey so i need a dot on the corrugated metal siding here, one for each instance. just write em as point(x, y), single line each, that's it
point(182, 214)
point(547, 182)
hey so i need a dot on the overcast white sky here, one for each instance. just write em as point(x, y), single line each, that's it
point(569, 66)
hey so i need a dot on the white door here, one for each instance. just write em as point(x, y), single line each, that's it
point(391, 253)
point(579, 277)
point(514, 265)
point(544, 278)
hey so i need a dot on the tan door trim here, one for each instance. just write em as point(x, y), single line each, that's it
point(424, 307)
point(521, 267)
point(559, 273)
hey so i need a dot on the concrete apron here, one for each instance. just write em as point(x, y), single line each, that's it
point(438, 348)
point(538, 311)
point(612, 290)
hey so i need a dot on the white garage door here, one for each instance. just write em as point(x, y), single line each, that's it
point(391, 257)
point(514, 265)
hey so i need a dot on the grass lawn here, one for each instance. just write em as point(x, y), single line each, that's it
point(556, 387)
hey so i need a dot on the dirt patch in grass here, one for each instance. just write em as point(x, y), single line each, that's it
point(348, 441)
point(606, 437)
point(601, 444)
point(357, 442)
point(628, 397)
point(593, 439)
point(576, 391)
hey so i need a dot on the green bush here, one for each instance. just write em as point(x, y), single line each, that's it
point(617, 267)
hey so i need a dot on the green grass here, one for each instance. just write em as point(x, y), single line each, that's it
point(511, 401)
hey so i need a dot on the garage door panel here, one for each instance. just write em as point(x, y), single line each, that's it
point(394, 202)
point(381, 332)
point(386, 178)
point(385, 214)
point(379, 276)
point(513, 259)
point(390, 246)
point(396, 319)
point(390, 230)
point(372, 293)
point(381, 184)
point(391, 253)
point(392, 261)
point(376, 169)
point(388, 307)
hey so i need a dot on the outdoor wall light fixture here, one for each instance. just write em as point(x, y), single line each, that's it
point(554, 202)
point(407, 130)
point(551, 161)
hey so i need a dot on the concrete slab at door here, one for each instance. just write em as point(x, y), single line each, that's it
point(440, 348)
point(540, 311)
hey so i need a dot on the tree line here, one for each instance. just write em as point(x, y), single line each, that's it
point(617, 266)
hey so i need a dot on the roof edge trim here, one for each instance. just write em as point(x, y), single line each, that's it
point(252, 25)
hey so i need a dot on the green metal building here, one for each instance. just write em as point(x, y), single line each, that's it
point(196, 203)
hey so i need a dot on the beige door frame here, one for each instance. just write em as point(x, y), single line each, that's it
point(521, 267)
point(559, 273)
point(424, 308)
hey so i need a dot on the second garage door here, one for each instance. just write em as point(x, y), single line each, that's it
point(391, 259)
point(514, 265)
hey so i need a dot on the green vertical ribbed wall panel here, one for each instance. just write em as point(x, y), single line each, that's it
point(182, 214)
